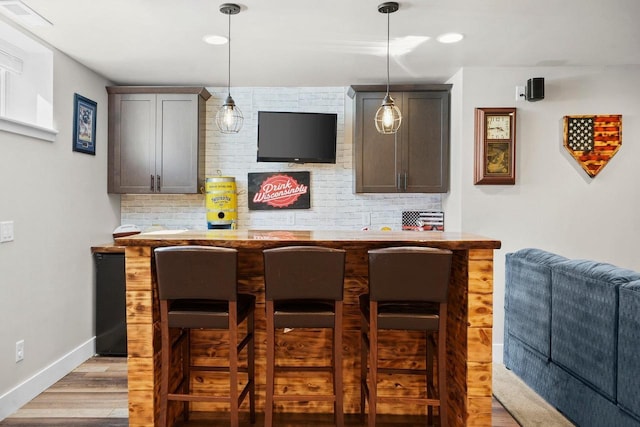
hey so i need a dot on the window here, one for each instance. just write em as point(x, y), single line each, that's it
point(3, 92)
point(26, 85)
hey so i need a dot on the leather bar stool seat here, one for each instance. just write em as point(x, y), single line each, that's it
point(197, 287)
point(304, 314)
point(304, 289)
point(207, 314)
point(418, 316)
point(408, 288)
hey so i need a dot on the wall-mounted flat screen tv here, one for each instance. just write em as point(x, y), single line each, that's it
point(297, 137)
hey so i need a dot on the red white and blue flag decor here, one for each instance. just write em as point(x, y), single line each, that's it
point(279, 190)
point(593, 140)
point(423, 220)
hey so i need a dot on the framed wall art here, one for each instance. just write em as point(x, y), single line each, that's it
point(495, 146)
point(84, 124)
point(593, 140)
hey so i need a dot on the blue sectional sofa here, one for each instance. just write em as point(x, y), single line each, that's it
point(572, 333)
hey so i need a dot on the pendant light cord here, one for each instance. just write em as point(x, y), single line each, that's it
point(229, 62)
point(388, 30)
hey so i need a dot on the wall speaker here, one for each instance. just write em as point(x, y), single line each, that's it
point(535, 89)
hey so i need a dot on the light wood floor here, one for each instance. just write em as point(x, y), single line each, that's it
point(95, 395)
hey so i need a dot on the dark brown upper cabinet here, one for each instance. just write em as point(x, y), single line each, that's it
point(156, 139)
point(414, 160)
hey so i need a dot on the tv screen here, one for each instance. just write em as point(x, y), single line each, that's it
point(297, 137)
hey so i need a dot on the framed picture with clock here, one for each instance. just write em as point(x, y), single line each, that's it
point(495, 146)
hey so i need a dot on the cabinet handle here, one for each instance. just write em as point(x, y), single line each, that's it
point(158, 176)
point(152, 184)
point(405, 181)
point(398, 182)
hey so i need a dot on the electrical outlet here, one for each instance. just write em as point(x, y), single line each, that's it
point(291, 218)
point(6, 231)
point(19, 351)
point(366, 218)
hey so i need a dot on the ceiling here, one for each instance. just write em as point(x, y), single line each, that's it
point(333, 42)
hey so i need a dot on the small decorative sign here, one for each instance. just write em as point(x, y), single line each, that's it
point(593, 140)
point(279, 190)
point(423, 220)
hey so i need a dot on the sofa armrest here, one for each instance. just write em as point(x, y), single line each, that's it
point(528, 298)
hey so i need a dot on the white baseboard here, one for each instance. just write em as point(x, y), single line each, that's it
point(498, 353)
point(17, 397)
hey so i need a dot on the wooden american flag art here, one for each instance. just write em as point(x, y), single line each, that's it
point(593, 140)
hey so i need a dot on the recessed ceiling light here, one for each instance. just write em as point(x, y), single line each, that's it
point(213, 39)
point(20, 12)
point(450, 38)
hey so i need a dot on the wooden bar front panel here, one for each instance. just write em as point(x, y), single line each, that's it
point(469, 335)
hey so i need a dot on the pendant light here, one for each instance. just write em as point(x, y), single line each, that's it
point(388, 116)
point(229, 117)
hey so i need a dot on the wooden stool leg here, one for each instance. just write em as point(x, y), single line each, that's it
point(338, 407)
point(186, 370)
point(233, 363)
point(373, 361)
point(251, 367)
point(268, 405)
point(442, 369)
point(164, 366)
point(430, 373)
point(364, 355)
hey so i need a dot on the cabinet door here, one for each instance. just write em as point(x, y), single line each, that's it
point(176, 154)
point(133, 133)
point(377, 165)
point(425, 142)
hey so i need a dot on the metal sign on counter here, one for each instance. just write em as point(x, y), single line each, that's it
point(222, 202)
point(423, 220)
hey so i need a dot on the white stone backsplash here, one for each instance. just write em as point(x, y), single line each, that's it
point(334, 205)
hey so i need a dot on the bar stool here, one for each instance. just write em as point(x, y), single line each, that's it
point(407, 291)
point(304, 289)
point(198, 289)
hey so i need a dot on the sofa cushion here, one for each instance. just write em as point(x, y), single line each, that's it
point(584, 320)
point(629, 348)
point(528, 297)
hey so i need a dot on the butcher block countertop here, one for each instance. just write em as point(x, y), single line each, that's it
point(107, 248)
point(261, 238)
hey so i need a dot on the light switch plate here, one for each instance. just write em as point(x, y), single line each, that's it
point(291, 218)
point(6, 231)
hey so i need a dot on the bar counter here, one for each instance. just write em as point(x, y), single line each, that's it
point(469, 339)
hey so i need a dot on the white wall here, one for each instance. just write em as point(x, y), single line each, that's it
point(59, 203)
point(333, 202)
point(554, 205)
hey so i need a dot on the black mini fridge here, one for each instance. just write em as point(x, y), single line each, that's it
point(111, 325)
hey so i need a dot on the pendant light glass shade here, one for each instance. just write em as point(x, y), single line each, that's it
point(229, 118)
point(388, 117)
